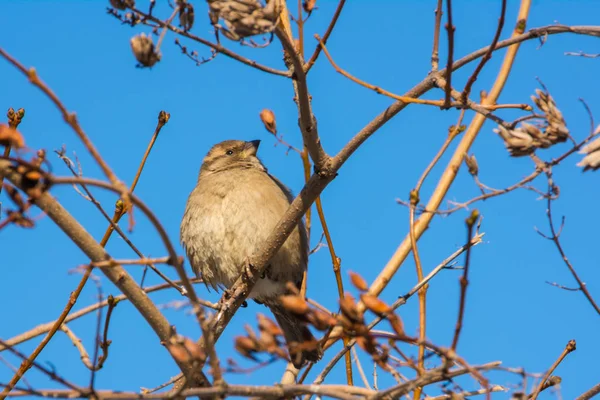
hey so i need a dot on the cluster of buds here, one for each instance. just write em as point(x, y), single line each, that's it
point(267, 341)
point(350, 319)
point(591, 160)
point(527, 138)
point(244, 18)
point(15, 117)
point(144, 50)
point(31, 176)
point(353, 323)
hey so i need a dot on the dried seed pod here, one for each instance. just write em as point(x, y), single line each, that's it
point(309, 5)
point(268, 119)
point(472, 165)
point(143, 50)
point(186, 15)
point(556, 130)
point(591, 160)
point(358, 281)
point(517, 141)
point(122, 4)
point(294, 304)
point(244, 18)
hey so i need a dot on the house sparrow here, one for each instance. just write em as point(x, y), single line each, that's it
point(229, 214)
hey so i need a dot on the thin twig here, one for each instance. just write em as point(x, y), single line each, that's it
point(464, 280)
point(113, 222)
point(451, 170)
point(582, 54)
point(326, 35)
point(488, 55)
point(450, 29)
point(590, 393)
point(161, 386)
point(263, 392)
point(399, 302)
point(435, 53)
point(216, 46)
point(556, 239)
point(415, 100)
point(571, 346)
point(44, 328)
point(83, 354)
point(29, 361)
point(468, 394)
point(361, 372)
point(118, 276)
point(414, 196)
point(49, 372)
point(337, 265)
point(70, 118)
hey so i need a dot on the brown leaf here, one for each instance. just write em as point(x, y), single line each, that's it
point(358, 281)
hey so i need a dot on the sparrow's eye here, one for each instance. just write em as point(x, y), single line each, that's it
point(229, 152)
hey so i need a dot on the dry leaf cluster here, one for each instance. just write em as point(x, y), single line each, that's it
point(527, 138)
point(244, 18)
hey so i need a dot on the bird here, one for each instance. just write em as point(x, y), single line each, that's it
point(229, 214)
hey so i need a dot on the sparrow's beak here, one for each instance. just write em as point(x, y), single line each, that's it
point(251, 147)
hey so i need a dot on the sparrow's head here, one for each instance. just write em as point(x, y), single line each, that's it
point(231, 154)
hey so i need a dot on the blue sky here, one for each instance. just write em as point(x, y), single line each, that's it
point(512, 314)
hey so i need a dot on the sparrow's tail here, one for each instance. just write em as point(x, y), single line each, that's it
point(302, 345)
